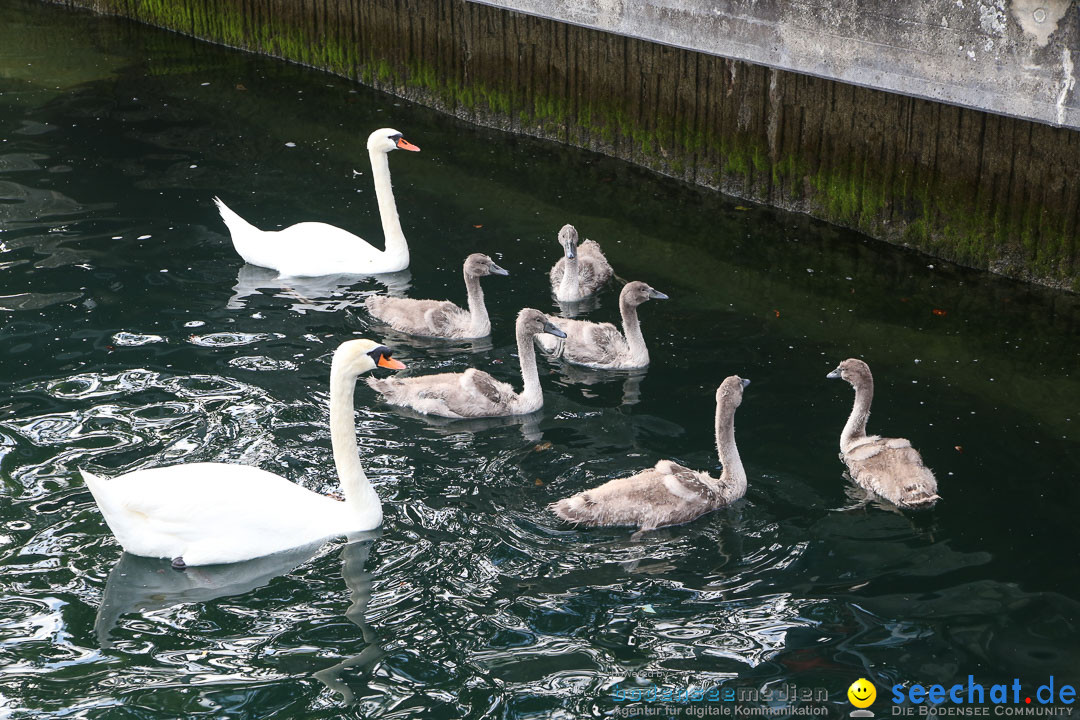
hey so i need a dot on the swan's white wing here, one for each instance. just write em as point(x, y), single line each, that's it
point(212, 512)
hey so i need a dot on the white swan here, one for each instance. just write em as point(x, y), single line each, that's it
point(210, 513)
point(309, 249)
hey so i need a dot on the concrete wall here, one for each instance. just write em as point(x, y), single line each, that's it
point(1014, 57)
point(982, 189)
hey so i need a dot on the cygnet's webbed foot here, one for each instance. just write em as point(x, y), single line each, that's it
point(179, 564)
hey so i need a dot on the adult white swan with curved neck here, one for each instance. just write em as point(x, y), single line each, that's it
point(309, 249)
point(211, 513)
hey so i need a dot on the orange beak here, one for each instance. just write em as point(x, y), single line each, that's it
point(404, 144)
point(391, 363)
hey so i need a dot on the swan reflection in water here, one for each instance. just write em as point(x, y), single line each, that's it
point(431, 346)
point(325, 293)
point(574, 308)
point(528, 424)
point(138, 585)
point(584, 377)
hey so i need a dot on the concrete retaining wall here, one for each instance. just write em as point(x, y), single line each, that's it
point(983, 189)
point(1014, 57)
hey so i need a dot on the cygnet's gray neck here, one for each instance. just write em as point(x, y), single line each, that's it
point(632, 330)
point(571, 281)
point(532, 396)
point(855, 428)
point(479, 322)
point(729, 452)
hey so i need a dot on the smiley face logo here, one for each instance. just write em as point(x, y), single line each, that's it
point(862, 693)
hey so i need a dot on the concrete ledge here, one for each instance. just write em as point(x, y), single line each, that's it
point(1013, 57)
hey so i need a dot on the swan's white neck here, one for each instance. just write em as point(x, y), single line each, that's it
point(729, 454)
point(480, 324)
point(359, 494)
point(855, 429)
point(632, 330)
point(532, 397)
point(396, 247)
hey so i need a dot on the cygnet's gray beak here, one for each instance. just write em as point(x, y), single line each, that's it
point(496, 270)
point(657, 295)
point(745, 383)
point(571, 250)
point(552, 330)
point(834, 375)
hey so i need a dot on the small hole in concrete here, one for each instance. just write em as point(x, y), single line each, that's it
point(1039, 14)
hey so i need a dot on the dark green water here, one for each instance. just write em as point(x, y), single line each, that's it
point(131, 336)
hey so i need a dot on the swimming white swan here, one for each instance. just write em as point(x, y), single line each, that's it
point(601, 345)
point(441, 318)
point(887, 467)
point(474, 393)
point(210, 513)
point(668, 494)
point(581, 271)
point(309, 249)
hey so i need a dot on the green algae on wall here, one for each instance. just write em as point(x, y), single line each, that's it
point(983, 190)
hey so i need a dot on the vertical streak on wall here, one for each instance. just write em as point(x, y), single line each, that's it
point(984, 190)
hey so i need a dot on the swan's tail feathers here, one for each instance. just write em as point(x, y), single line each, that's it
point(245, 236)
point(375, 303)
point(98, 488)
point(236, 224)
point(383, 386)
point(93, 482)
point(579, 509)
point(922, 501)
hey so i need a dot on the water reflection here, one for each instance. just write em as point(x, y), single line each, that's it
point(583, 376)
point(138, 585)
point(572, 309)
point(529, 424)
point(328, 293)
point(24, 206)
point(430, 346)
point(337, 677)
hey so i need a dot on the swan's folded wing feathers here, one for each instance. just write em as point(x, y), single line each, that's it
point(159, 512)
point(895, 473)
point(445, 318)
point(686, 484)
point(864, 452)
point(601, 344)
point(483, 385)
point(667, 494)
point(591, 248)
point(418, 317)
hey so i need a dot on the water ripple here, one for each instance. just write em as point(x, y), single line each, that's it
point(230, 339)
